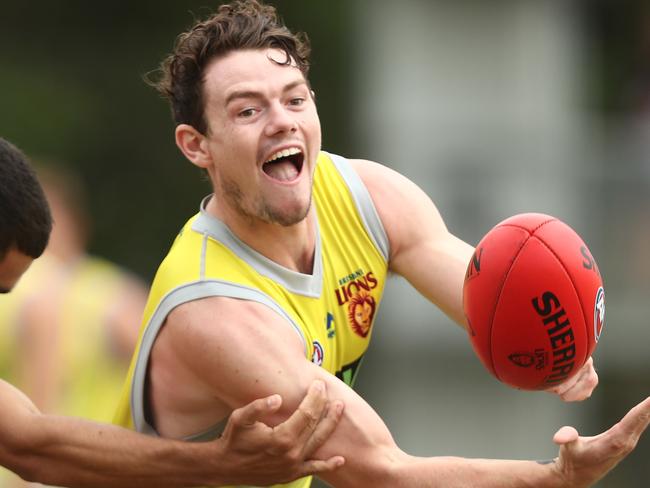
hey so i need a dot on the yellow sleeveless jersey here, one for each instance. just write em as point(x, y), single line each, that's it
point(332, 310)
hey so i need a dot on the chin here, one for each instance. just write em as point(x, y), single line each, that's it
point(285, 210)
point(287, 217)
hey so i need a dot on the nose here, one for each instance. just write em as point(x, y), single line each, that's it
point(280, 120)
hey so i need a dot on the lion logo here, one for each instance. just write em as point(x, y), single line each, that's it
point(361, 311)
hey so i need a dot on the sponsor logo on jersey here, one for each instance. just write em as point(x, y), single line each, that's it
point(599, 313)
point(355, 292)
point(317, 354)
point(329, 325)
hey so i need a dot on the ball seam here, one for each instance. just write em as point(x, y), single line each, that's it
point(500, 292)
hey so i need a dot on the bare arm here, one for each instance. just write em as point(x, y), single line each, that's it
point(422, 249)
point(255, 352)
point(431, 258)
point(66, 451)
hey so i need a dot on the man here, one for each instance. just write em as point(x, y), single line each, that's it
point(277, 280)
point(73, 452)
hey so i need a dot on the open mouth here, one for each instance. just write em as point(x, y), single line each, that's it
point(284, 165)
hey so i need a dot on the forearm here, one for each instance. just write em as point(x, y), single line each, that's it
point(392, 468)
point(374, 459)
point(73, 452)
point(454, 472)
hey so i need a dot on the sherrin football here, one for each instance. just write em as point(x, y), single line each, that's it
point(534, 301)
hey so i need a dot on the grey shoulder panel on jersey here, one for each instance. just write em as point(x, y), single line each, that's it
point(183, 294)
point(310, 285)
point(364, 204)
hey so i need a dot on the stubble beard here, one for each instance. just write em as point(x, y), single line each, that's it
point(261, 210)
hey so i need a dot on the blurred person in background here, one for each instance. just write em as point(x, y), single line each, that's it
point(277, 280)
point(74, 317)
point(70, 451)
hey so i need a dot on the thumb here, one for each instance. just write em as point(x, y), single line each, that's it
point(565, 435)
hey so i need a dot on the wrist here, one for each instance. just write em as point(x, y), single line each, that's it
point(554, 474)
point(213, 454)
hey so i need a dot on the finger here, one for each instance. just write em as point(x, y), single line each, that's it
point(571, 382)
point(305, 419)
point(565, 435)
point(636, 420)
point(562, 388)
point(316, 466)
point(250, 414)
point(583, 388)
point(324, 429)
point(580, 387)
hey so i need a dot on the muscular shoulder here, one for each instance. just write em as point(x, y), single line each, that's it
point(216, 354)
point(236, 337)
point(227, 320)
point(403, 207)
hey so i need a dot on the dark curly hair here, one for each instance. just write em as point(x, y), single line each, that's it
point(25, 219)
point(242, 24)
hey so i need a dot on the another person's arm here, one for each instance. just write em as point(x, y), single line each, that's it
point(66, 451)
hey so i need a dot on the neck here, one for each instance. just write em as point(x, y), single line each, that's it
point(292, 247)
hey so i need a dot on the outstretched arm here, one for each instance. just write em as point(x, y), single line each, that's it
point(582, 461)
point(431, 258)
point(66, 451)
point(259, 352)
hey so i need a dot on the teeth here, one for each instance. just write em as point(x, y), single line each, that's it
point(283, 154)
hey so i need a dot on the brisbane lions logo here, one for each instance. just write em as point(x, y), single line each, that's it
point(361, 311)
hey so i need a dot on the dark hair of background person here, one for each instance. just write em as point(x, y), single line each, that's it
point(25, 219)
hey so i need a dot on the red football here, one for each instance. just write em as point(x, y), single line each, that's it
point(534, 301)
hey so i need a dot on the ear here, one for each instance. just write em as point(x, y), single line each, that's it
point(193, 145)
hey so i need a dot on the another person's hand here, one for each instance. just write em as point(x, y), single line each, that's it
point(580, 386)
point(257, 454)
point(585, 460)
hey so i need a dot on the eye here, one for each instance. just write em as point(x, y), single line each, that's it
point(296, 101)
point(249, 112)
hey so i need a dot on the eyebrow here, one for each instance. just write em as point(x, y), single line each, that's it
point(257, 94)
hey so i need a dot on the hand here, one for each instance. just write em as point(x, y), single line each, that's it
point(585, 460)
point(256, 454)
point(580, 386)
